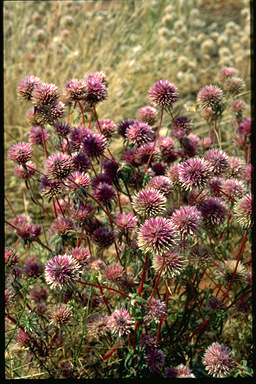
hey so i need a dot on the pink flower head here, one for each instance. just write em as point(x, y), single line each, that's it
point(38, 135)
point(236, 166)
point(217, 360)
point(181, 127)
point(82, 255)
point(59, 166)
point(238, 106)
point(26, 86)
point(213, 211)
point(232, 189)
point(61, 315)
point(139, 133)
point(157, 235)
point(120, 322)
point(215, 186)
point(209, 96)
point(45, 94)
point(149, 202)
point(234, 85)
point(145, 152)
point(170, 263)
point(194, 173)
point(227, 72)
point(61, 225)
point(81, 162)
point(187, 220)
point(126, 221)
point(167, 149)
point(62, 271)
point(107, 127)
point(163, 93)
point(75, 90)
point(245, 126)
point(163, 184)
point(113, 272)
point(96, 88)
point(147, 114)
point(79, 180)
point(20, 152)
point(218, 160)
point(94, 144)
point(243, 211)
point(26, 172)
point(156, 310)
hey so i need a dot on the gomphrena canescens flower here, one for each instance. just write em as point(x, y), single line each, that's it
point(234, 85)
point(218, 160)
point(180, 371)
point(232, 189)
point(81, 254)
point(50, 113)
point(28, 231)
point(232, 271)
point(94, 144)
point(59, 166)
point(167, 149)
point(126, 221)
point(107, 127)
point(45, 94)
point(215, 186)
point(217, 360)
point(110, 168)
point(120, 322)
point(189, 146)
point(113, 272)
point(61, 315)
point(163, 93)
point(26, 86)
point(79, 180)
point(194, 173)
point(38, 135)
point(62, 128)
point(61, 225)
point(139, 133)
point(227, 72)
point(104, 193)
point(32, 267)
point(245, 126)
point(236, 167)
point(181, 126)
point(23, 338)
point(156, 310)
point(103, 237)
point(238, 106)
point(76, 137)
point(20, 152)
point(62, 271)
point(50, 187)
point(170, 263)
point(147, 114)
point(96, 88)
point(149, 202)
point(80, 161)
point(155, 359)
point(209, 96)
point(145, 153)
point(75, 90)
point(82, 212)
point(157, 235)
point(187, 220)
point(123, 125)
point(38, 293)
point(243, 211)
point(158, 168)
point(213, 211)
point(10, 257)
point(162, 184)
point(26, 172)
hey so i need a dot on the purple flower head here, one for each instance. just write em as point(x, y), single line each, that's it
point(62, 128)
point(168, 152)
point(26, 172)
point(62, 271)
point(38, 135)
point(243, 211)
point(126, 221)
point(33, 268)
point(145, 152)
point(163, 184)
point(10, 257)
point(104, 193)
point(20, 152)
point(129, 156)
point(156, 310)
point(189, 146)
point(232, 189)
point(96, 88)
point(181, 127)
point(149, 202)
point(238, 106)
point(75, 90)
point(170, 263)
point(227, 72)
point(61, 315)
point(76, 136)
point(110, 168)
point(158, 168)
point(50, 187)
point(50, 113)
point(139, 133)
point(155, 360)
point(120, 322)
point(103, 237)
point(209, 96)
point(107, 127)
point(163, 93)
point(187, 219)
point(147, 114)
point(26, 86)
point(218, 160)
point(245, 126)
point(113, 272)
point(94, 144)
point(234, 85)
point(61, 225)
point(82, 213)
point(101, 178)
point(218, 360)
point(59, 166)
point(157, 235)
point(213, 211)
point(25, 229)
point(81, 162)
point(236, 167)
point(194, 173)
point(123, 126)
point(215, 186)
point(79, 180)
point(45, 94)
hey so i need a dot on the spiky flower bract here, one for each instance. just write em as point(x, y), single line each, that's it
point(59, 166)
point(149, 202)
point(156, 309)
point(26, 86)
point(162, 184)
point(94, 144)
point(75, 90)
point(213, 211)
point(194, 173)
point(79, 180)
point(218, 160)
point(120, 322)
point(61, 315)
point(96, 88)
point(82, 255)
point(232, 189)
point(45, 94)
point(218, 360)
point(158, 235)
point(187, 219)
point(126, 221)
point(62, 271)
point(169, 263)
point(163, 93)
point(139, 133)
point(107, 127)
point(113, 272)
point(243, 211)
point(20, 152)
point(210, 96)
point(38, 135)
point(147, 114)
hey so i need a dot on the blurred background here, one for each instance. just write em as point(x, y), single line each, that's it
point(135, 42)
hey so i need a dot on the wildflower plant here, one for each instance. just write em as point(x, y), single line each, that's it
point(136, 251)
